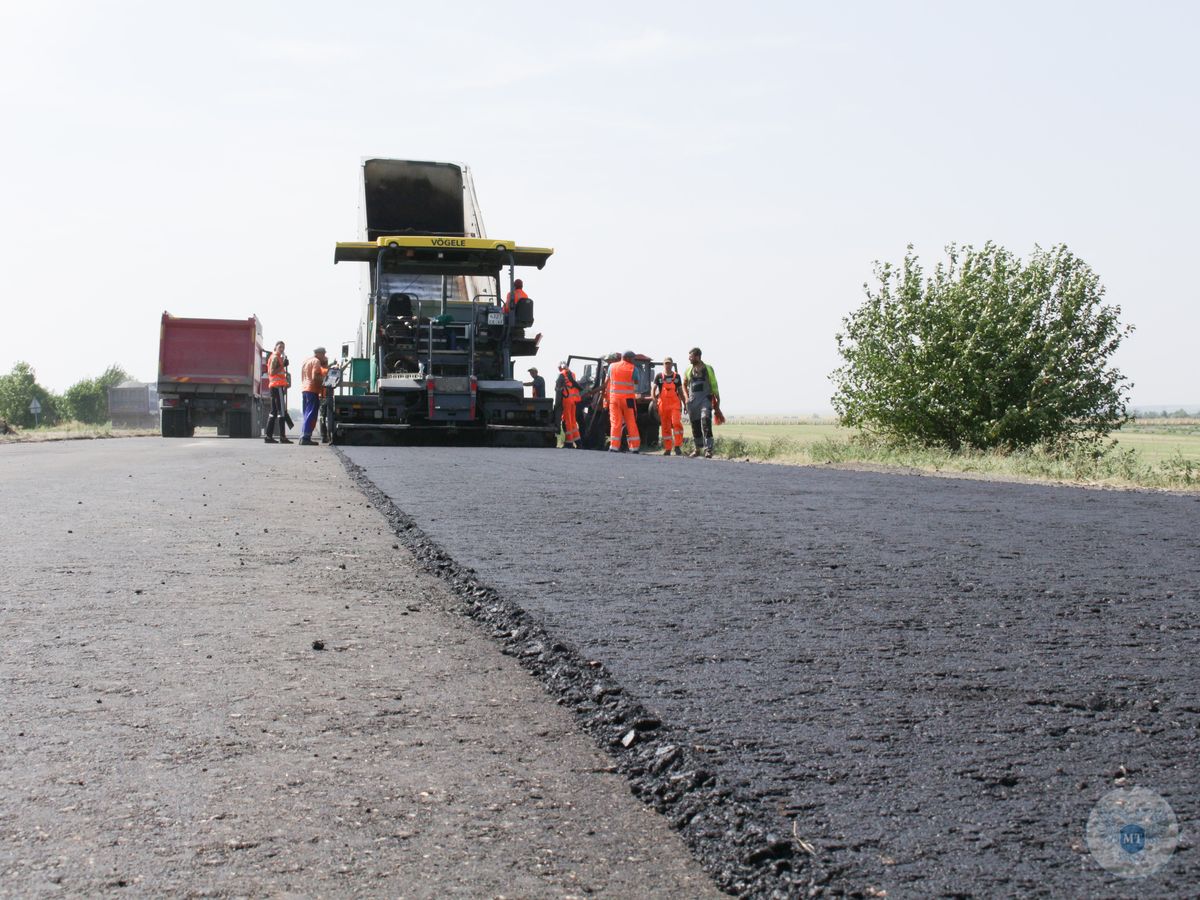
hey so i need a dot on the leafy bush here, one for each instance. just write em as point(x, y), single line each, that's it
point(17, 389)
point(87, 400)
point(986, 353)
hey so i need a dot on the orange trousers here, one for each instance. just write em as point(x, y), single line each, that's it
point(570, 423)
point(672, 424)
point(623, 414)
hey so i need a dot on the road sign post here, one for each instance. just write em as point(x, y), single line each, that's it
point(36, 408)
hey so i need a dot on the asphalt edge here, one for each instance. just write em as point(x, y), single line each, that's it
point(744, 854)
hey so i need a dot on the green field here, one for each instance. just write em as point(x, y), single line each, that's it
point(1156, 441)
point(1153, 441)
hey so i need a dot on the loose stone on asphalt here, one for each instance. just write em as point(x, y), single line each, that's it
point(168, 728)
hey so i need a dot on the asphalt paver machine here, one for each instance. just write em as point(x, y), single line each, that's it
point(438, 339)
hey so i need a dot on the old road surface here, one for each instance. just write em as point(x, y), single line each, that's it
point(883, 683)
point(168, 729)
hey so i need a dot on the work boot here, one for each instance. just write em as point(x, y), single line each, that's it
point(284, 440)
point(307, 442)
point(679, 451)
point(708, 454)
point(667, 452)
point(694, 454)
point(269, 440)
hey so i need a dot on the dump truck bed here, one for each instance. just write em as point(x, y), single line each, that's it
point(209, 351)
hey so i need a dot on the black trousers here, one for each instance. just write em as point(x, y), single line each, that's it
point(277, 412)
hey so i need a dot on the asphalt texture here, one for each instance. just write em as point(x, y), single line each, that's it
point(222, 675)
point(909, 685)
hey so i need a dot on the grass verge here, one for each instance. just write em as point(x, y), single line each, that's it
point(1113, 465)
point(72, 431)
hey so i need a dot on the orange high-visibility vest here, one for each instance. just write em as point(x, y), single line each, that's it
point(621, 382)
point(276, 374)
point(512, 300)
point(570, 385)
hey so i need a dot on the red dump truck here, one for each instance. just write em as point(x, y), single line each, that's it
point(210, 373)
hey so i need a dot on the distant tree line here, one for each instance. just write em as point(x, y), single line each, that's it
point(85, 401)
point(1165, 414)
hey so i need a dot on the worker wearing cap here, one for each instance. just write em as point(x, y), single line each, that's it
point(566, 392)
point(622, 404)
point(515, 296)
point(312, 379)
point(668, 394)
point(277, 381)
point(700, 385)
point(538, 383)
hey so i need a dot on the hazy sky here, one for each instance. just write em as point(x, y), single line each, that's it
point(712, 174)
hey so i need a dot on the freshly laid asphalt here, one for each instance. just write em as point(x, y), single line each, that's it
point(926, 682)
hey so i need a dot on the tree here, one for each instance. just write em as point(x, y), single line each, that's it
point(988, 352)
point(17, 389)
point(87, 400)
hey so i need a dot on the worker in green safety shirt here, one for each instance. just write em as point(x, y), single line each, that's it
point(700, 386)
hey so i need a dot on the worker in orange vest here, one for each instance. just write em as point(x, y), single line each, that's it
point(622, 404)
point(567, 389)
point(515, 296)
point(668, 394)
point(312, 377)
point(277, 381)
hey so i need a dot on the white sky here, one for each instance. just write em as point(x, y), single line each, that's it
point(719, 174)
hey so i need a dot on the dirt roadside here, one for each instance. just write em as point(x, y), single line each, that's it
point(169, 728)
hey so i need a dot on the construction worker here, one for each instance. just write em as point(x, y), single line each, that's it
point(668, 394)
point(566, 391)
point(277, 381)
point(622, 404)
point(700, 383)
point(515, 296)
point(312, 380)
point(538, 383)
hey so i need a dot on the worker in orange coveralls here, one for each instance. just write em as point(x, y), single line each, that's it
point(668, 394)
point(622, 404)
point(567, 389)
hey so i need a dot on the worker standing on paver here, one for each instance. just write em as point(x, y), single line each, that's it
point(312, 381)
point(277, 381)
point(622, 404)
point(700, 383)
point(668, 394)
point(566, 390)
